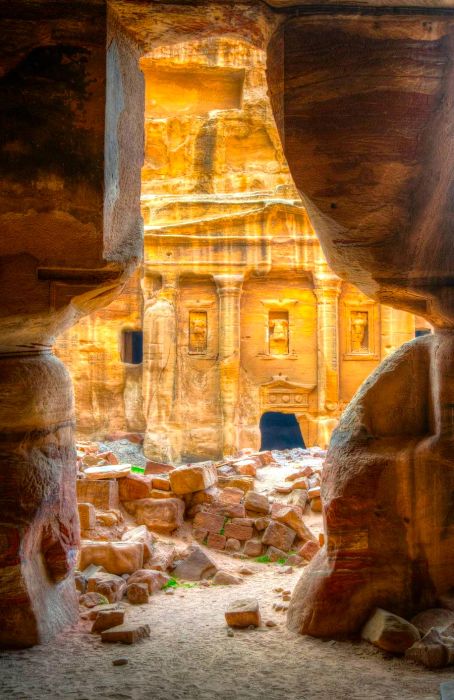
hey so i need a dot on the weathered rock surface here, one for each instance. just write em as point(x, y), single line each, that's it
point(193, 477)
point(390, 632)
point(225, 578)
point(154, 579)
point(137, 593)
point(105, 619)
point(128, 633)
point(160, 515)
point(434, 650)
point(196, 566)
point(115, 557)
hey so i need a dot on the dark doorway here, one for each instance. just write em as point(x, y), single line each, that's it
point(280, 431)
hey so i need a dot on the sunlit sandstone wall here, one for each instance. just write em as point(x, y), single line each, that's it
point(227, 245)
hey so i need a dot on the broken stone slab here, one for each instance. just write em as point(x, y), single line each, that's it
point(115, 557)
point(154, 579)
point(193, 477)
point(110, 471)
point(434, 650)
point(279, 535)
point(152, 467)
point(196, 566)
point(160, 515)
point(137, 593)
point(92, 613)
point(161, 482)
point(105, 619)
point(127, 633)
point(134, 487)
point(257, 502)
point(243, 613)
point(434, 617)
point(225, 578)
point(232, 545)
point(108, 585)
point(292, 516)
point(103, 494)
point(389, 632)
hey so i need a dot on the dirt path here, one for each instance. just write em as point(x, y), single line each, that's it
point(189, 655)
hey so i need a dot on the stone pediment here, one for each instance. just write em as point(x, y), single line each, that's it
point(279, 395)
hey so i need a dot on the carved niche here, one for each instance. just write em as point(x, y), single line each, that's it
point(278, 332)
point(284, 396)
point(198, 332)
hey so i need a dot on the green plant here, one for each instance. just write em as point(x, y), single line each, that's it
point(174, 583)
point(282, 561)
point(264, 559)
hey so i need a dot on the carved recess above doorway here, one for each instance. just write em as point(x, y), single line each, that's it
point(284, 396)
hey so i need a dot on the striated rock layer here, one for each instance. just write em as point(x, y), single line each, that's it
point(364, 104)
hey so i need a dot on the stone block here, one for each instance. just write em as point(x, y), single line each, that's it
point(238, 532)
point(316, 505)
point(232, 545)
point(128, 633)
point(196, 566)
point(434, 650)
point(434, 617)
point(160, 515)
point(209, 521)
point(161, 482)
point(199, 534)
point(230, 495)
point(105, 619)
point(261, 524)
point(299, 498)
point(137, 593)
point(279, 535)
point(275, 554)
point(134, 487)
point(253, 548)
point(193, 477)
point(103, 494)
point(154, 579)
point(225, 578)
point(243, 613)
point(309, 550)
point(152, 467)
point(110, 471)
point(313, 492)
point(115, 557)
point(110, 586)
point(389, 632)
point(292, 516)
point(257, 502)
point(87, 516)
point(216, 541)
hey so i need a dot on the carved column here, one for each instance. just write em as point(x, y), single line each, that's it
point(160, 371)
point(229, 294)
point(39, 524)
point(327, 288)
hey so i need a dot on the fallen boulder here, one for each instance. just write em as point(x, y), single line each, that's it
point(389, 632)
point(161, 515)
point(115, 557)
point(243, 613)
point(128, 633)
point(196, 566)
point(193, 477)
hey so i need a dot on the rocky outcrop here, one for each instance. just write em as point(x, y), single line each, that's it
point(377, 190)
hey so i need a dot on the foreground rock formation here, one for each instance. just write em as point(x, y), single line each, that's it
point(378, 192)
point(67, 245)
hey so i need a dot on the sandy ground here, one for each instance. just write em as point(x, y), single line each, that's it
point(190, 655)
